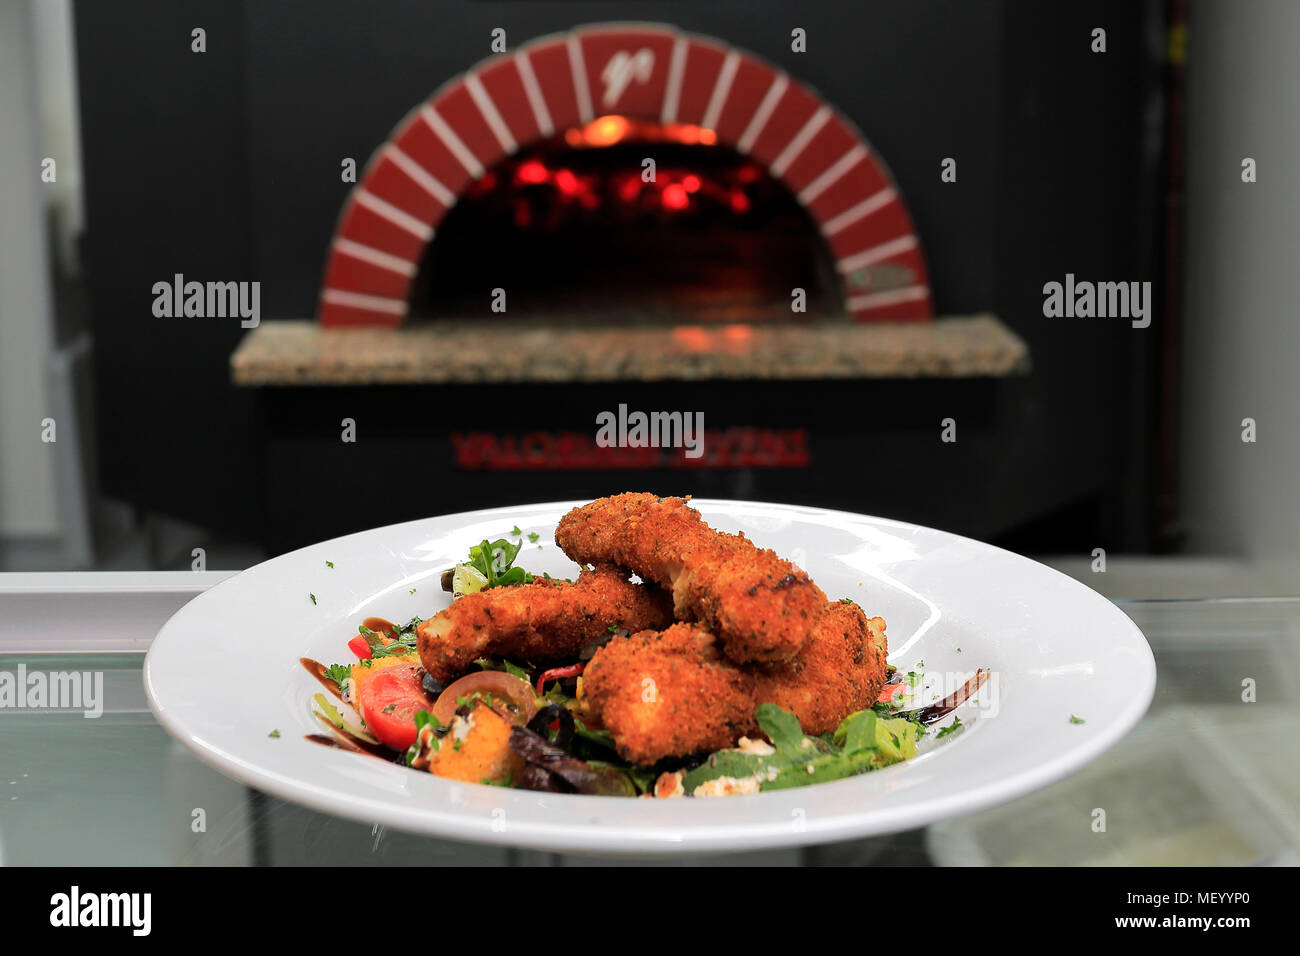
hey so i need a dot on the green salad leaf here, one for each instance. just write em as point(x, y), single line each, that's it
point(495, 561)
point(601, 738)
point(863, 741)
point(501, 664)
point(641, 778)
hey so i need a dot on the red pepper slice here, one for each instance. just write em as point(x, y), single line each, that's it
point(573, 670)
point(360, 647)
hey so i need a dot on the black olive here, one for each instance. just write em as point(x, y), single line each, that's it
point(447, 577)
point(541, 725)
point(432, 686)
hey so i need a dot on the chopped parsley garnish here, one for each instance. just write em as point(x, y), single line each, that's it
point(329, 564)
point(412, 591)
point(403, 642)
point(515, 531)
point(1077, 720)
point(533, 536)
point(952, 728)
point(338, 673)
point(390, 708)
point(275, 734)
point(312, 596)
point(423, 719)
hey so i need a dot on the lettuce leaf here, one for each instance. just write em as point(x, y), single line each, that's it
point(863, 741)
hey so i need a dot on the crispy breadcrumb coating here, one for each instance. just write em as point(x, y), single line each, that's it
point(839, 671)
point(542, 621)
point(672, 694)
point(667, 693)
point(761, 607)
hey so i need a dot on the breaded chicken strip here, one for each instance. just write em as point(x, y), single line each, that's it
point(668, 693)
point(839, 671)
point(671, 694)
point(761, 607)
point(541, 621)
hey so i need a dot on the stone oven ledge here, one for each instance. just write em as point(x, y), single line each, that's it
point(288, 353)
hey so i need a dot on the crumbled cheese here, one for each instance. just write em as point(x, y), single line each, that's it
point(670, 785)
point(759, 748)
point(461, 726)
point(726, 787)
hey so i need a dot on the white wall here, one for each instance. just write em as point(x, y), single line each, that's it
point(59, 109)
point(28, 505)
point(1241, 325)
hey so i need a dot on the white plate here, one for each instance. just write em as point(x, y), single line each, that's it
point(223, 674)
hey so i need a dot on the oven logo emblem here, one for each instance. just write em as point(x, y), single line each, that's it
point(624, 67)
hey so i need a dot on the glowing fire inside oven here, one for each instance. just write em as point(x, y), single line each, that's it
point(608, 130)
point(636, 218)
point(672, 189)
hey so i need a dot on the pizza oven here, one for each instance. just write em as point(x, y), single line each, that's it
point(477, 235)
point(625, 172)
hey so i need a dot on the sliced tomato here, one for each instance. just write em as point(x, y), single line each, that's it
point(360, 647)
point(497, 683)
point(889, 692)
point(389, 701)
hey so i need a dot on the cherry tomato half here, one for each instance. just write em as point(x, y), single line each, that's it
point(389, 701)
point(501, 685)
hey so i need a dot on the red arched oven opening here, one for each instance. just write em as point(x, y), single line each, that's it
point(441, 153)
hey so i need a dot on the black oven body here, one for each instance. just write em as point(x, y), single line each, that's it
point(225, 165)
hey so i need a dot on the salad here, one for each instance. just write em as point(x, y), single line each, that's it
point(510, 723)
